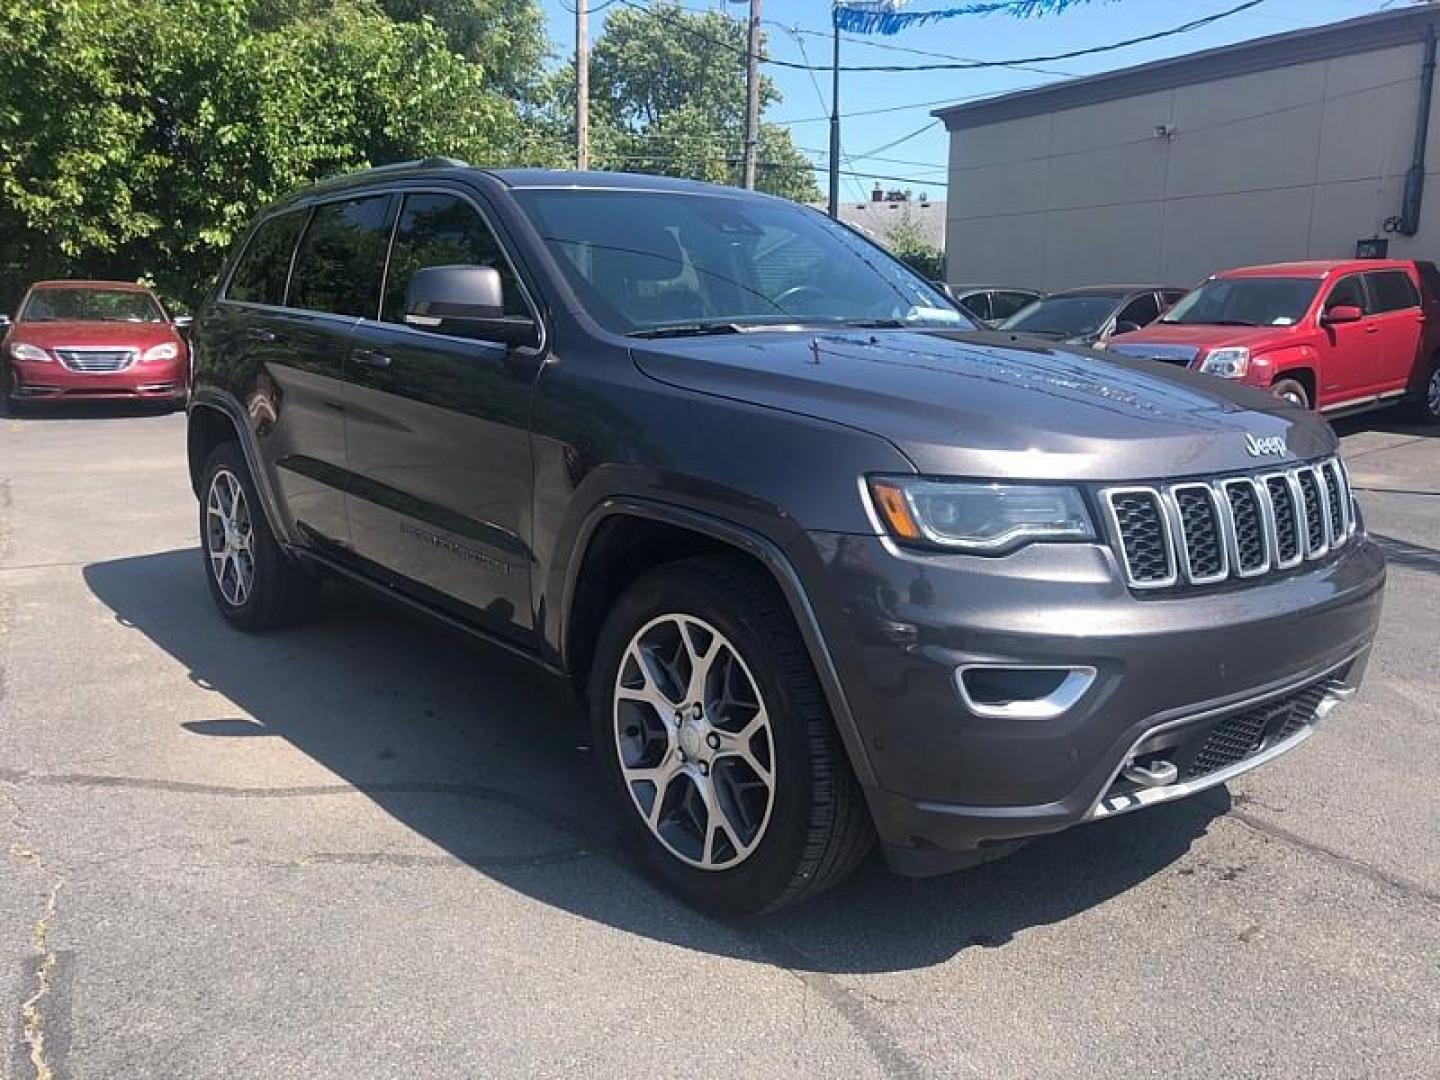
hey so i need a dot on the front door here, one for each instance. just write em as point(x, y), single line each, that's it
point(1349, 352)
point(438, 432)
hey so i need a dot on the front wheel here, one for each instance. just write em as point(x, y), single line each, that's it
point(253, 582)
point(1292, 391)
point(716, 742)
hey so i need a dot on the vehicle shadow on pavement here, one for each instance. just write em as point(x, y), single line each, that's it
point(474, 752)
point(102, 409)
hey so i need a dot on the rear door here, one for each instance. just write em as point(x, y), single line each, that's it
point(334, 280)
point(1349, 352)
point(1396, 304)
point(438, 430)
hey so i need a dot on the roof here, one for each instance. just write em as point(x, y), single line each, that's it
point(1367, 33)
point(69, 283)
point(1314, 268)
point(549, 178)
point(876, 219)
point(1108, 290)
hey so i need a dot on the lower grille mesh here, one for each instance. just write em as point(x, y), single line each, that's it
point(1244, 734)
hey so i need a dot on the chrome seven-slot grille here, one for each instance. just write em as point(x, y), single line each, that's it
point(93, 361)
point(1202, 532)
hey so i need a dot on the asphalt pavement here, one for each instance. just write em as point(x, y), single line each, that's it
point(366, 848)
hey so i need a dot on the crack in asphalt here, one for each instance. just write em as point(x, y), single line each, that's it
point(849, 1005)
point(1403, 885)
point(31, 1010)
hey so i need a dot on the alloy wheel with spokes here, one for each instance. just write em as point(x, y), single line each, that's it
point(694, 742)
point(229, 537)
point(1432, 395)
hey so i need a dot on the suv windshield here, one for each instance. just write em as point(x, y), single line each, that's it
point(1063, 315)
point(91, 305)
point(1247, 301)
point(655, 263)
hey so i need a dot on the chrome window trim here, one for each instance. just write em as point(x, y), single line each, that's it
point(1171, 500)
point(1268, 539)
point(1107, 500)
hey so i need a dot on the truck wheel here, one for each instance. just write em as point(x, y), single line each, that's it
point(254, 583)
point(716, 743)
point(1425, 405)
point(1291, 391)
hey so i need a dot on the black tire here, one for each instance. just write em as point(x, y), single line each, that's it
point(281, 591)
point(818, 827)
point(1292, 391)
point(1424, 405)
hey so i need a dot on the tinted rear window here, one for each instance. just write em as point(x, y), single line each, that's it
point(341, 258)
point(260, 277)
point(1392, 290)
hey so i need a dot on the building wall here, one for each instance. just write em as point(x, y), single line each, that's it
point(1297, 162)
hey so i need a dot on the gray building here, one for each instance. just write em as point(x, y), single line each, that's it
point(886, 211)
point(1287, 147)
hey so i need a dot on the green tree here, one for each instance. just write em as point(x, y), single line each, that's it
point(138, 137)
point(665, 99)
point(909, 243)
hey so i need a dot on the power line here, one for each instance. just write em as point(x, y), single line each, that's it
point(855, 39)
point(963, 65)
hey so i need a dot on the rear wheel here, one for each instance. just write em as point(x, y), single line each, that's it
point(717, 745)
point(1425, 405)
point(252, 581)
point(1292, 391)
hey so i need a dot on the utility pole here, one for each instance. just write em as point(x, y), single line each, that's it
point(582, 85)
point(835, 125)
point(752, 94)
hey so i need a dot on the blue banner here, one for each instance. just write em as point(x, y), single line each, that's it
point(884, 16)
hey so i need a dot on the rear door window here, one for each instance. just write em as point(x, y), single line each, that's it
point(264, 267)
point(444, 230)
point(342, 257)
point(1392, 290)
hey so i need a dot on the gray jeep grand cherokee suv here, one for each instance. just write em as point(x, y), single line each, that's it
point(826, 562)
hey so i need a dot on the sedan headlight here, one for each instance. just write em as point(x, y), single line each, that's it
point(985, 518)
point(1231, 363)
point(166, 350)
point(30, 354)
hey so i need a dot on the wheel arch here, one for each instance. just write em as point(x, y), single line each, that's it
point(1304, 375)
point(623, 538)
point(215, 418)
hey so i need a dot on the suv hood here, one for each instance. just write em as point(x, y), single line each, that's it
point(1182, 344)
point(985, 404)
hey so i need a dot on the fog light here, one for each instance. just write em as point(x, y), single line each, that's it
point(1022, 692)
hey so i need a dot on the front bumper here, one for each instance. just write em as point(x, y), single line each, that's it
point(159, 380)
point(952, 784)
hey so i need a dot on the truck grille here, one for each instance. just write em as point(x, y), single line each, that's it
point(96, 361)
point(1244, 734)
point(1205, 532)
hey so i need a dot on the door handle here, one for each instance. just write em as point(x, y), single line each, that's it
point(370, 358)
point(259, 333)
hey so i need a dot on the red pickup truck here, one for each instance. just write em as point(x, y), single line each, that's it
point(1334, 336)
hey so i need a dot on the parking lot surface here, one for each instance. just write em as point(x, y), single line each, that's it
point(368, 848)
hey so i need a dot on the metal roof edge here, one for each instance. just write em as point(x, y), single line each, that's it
point(1364, 34)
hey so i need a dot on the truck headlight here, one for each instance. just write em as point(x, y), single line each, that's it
point(166, 350)
point(984, 518)
point(1231, 363)
point(29, 354)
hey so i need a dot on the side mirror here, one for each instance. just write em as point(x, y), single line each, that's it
point(1341, 313)
point(182, 322)
point(467, 301)
point(4, 320)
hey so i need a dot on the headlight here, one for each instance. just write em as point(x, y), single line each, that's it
point(1230, 363)
point(30, 354)
point(983, 518)
point(166, 350)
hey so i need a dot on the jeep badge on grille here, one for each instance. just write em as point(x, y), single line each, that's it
point(1270, 445)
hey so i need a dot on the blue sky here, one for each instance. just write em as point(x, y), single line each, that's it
point(918, 162)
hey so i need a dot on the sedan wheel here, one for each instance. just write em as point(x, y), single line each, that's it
point(694, 742)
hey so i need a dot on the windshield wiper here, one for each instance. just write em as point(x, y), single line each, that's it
point(877, 324)
point(698, 329)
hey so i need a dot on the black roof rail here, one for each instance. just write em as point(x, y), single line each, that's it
point(433, 162)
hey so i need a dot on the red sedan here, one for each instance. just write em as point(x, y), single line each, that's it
point(93, 339)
